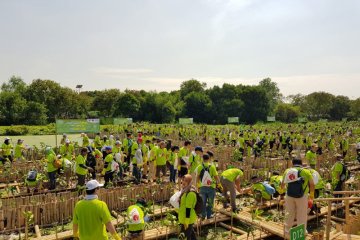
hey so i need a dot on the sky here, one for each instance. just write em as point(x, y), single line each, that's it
point(302, 45)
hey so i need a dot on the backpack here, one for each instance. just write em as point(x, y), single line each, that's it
point(345, 174)
point(268, 188)
point(199, 202)
point(295, 183)
point(205, 177)
point(31, 176)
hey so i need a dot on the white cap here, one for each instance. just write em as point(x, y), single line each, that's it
point(117, 142)
point(7, 138)
point(67, 140)
point(92, 184)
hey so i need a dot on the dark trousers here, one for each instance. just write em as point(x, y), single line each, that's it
point(189, 232)
point(136, 174)
point(109, 176)
point(52, 180)
point(81, 179)
point(172, 173)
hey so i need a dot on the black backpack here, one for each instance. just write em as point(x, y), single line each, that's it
point(345, 174)
point(31, 176)
point(295, 189)
point(199, 202)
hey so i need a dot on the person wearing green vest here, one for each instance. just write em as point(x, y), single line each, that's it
point(259, 191)
point(32, 181)
point(91, 216)
point(160, 161)
point(109, 173)
point(187, 214)
point(7, 148)
point(300, 188)
point(337, 183)
point(311, 156)
point(19, 148)
point(344, 146)
point(275, 181)
point(67, 150)
point(127, 144)
point(207, 178)
point(81, 168)
point(97, 141)
point(319, 189)
point(85, 140)
point(230, 181)
point(136, 221)
point(145, 149)
point(195, 160)
point(173, 163)
point(51, 169)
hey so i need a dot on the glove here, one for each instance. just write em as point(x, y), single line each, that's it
point(186, 226)
point(310, 203)
point(219, 187)
point(311, 196)
point(116, 236)
point(76, 235)
point(103, 172)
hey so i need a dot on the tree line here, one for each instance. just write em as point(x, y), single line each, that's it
point(42, 101)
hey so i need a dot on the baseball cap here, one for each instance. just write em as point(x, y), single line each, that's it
point(108, 148)
point(20, 140)
point(92, 184)
point(67, 140)
point(7, 138)
point(117, 142)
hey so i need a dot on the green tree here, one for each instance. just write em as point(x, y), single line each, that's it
point(355, 109)
point(190, 86)
point(12, 105)
point(15, 84)
point(103, 101)
point(340, 108)
point(287, 113)
point(318, 105)
point(198, 106)
point(48, 93)
point(256, 105)
point(127, 105)
point(35, 114)
point(272, 91)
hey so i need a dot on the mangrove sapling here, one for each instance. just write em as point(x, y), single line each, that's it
point(29, 219)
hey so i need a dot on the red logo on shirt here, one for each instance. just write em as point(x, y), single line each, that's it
point(292, 177)
point(208, 182)
point(136, 218)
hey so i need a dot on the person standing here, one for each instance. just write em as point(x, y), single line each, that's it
point(161, 157)
point(311, 156)
point(81, 168)
point(338, 177)
point(187, 214)
point(207, 178)
point(7, 148)
point(173, 162)
point(109, 173)
point(92, 217)
point(85, 140)
point(195, 160)
point(67, 150)
point(230, 181)
point(299, 183)
point(51, 169)
point(19, 149)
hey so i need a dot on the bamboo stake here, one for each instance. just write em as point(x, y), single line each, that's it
point(328, 221)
